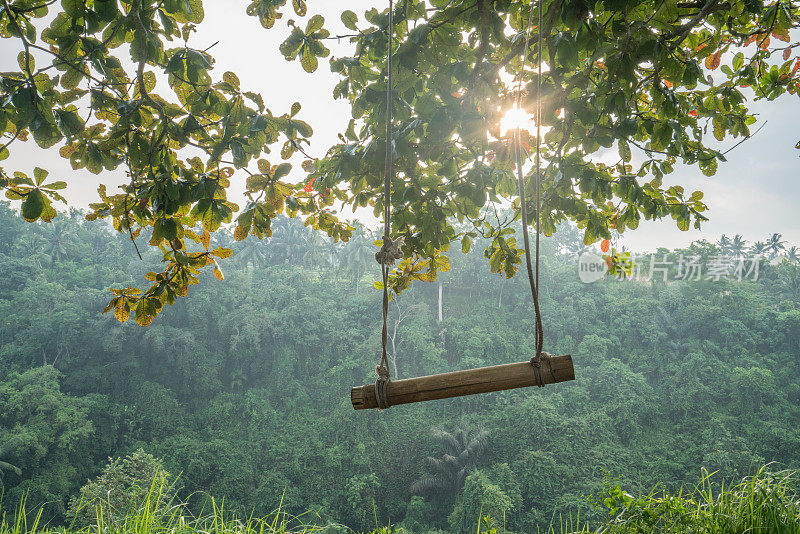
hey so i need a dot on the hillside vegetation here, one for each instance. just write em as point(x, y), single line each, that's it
point(765, 502)
point(242, 390)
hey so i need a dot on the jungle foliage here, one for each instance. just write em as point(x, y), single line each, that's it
point(242, 390)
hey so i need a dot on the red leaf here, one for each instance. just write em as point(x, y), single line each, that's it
point(693, 113)
point(712, 61)
point(310, 185)
point(787, 52)
point(781, 35)
point(605, 245)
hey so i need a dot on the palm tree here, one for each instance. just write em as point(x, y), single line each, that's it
point(724, 244)
point(59, 236)
point(789, 281)
point(569, 241)
point(359, 253)
point(287, 240)
point(793, 254)
point(462, 451)
point(5, 466)
point(738, 245)
point(333, 248)
point(99, 239)
point(675, 331)
point(314, 247)
point(250, 253)
point(759, 248)
point(775, 244)
point(32, 246)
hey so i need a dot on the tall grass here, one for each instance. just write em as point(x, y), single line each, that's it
point(765, 503)
point(155, 516)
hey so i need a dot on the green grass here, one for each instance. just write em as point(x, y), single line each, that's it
point(153, 516)
point(766, 502)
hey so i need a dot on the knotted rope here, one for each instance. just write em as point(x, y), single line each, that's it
point(533, 279)
point(390, 250)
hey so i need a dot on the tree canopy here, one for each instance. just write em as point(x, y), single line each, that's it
point(120, 84)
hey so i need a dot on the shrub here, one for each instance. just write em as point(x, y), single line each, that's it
point(481, 501)
point(127, 487)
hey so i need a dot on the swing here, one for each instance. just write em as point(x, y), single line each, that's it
point(542, 369)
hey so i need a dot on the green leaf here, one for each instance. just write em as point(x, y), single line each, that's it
point(26, 62)
point(192, 12)
point(56, 186)
point(282, 170)
point(212, 219)
point(73, 8)
point(292, 45)
point(738, 61)
point(33, 205)
point(233, 80)
point(709, 166)
point(45, 134)
point(239, 154)
point(39, 175)
point(259, 124)
point(719, 129)
point(145, 312)
point(71, 78)
point(349, 19)
point(106, 9)
point(624, 150)
point(303, 128)
point(169, 228)
point(68, 122)
point(315, 23)
point(309, 60)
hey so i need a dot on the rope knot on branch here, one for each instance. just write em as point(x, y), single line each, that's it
point(381, 385)
point(382, 371)
point(391, 250)
point(536, 362)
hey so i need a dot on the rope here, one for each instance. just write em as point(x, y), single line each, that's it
point(533, 278)
point(390, 250)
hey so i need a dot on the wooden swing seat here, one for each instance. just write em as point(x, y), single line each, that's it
point(468, 382)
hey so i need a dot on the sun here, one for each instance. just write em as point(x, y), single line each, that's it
point(514, 118)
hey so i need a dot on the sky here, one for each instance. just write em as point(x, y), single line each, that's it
point(756, 193)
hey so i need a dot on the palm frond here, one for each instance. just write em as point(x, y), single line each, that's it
point(5, 466)
point(426, 484)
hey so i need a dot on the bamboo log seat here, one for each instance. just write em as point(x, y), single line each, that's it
point(469, 382)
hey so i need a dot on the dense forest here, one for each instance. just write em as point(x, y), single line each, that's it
point(242, 389)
